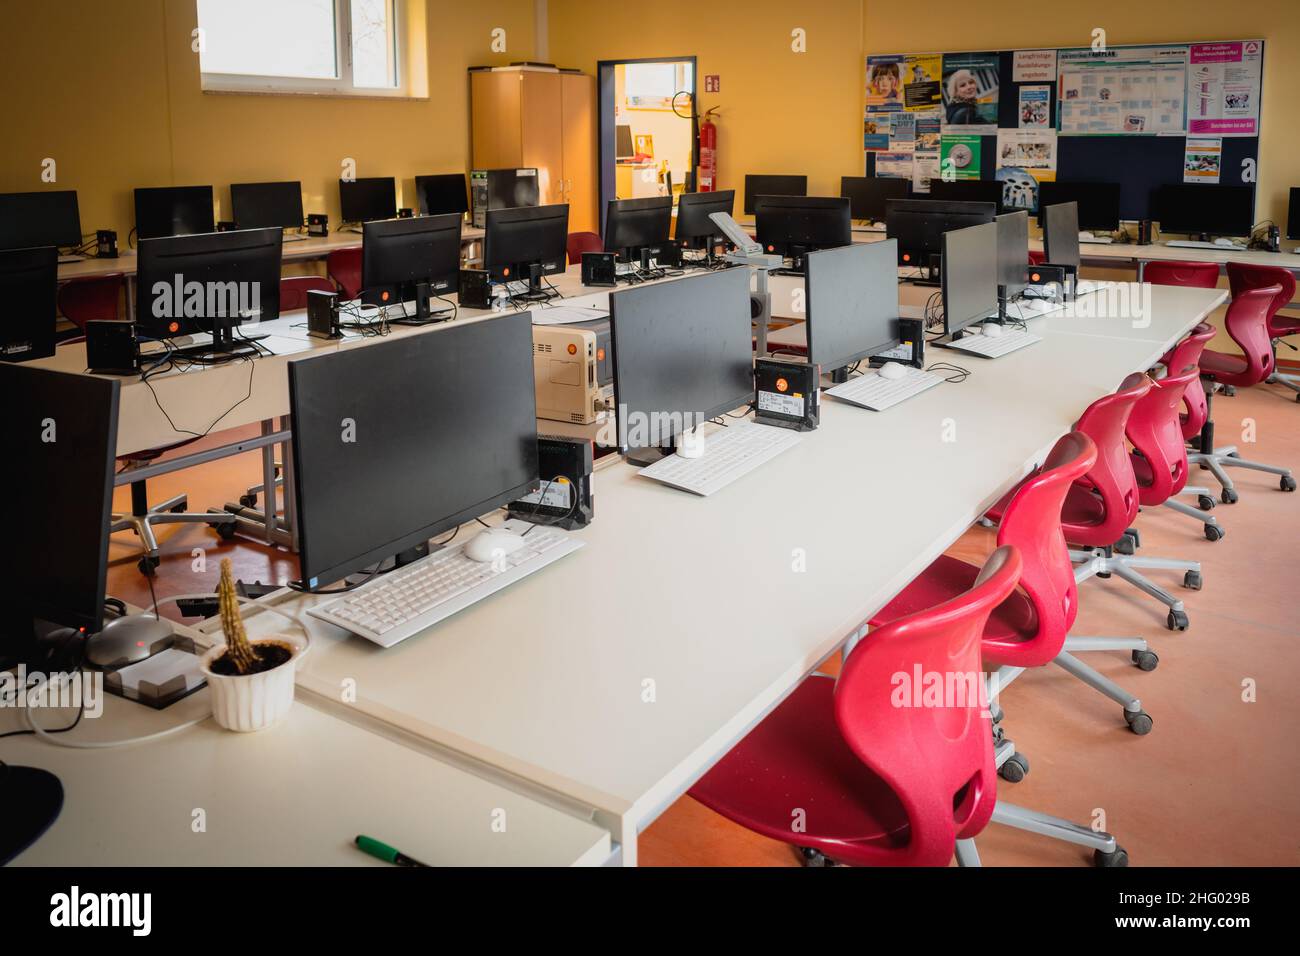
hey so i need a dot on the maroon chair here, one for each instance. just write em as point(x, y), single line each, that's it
point(1247, 323)
point(1280, 325)
point(1197, 275)
point(294, 289)
point(91, 299)
point(344, 267)
point(878, 780)
point(580, 242)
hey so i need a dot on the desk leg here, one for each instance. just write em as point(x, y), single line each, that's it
point(1142, 269)
point(290, 524)
point(130, 298)
point(268, 484)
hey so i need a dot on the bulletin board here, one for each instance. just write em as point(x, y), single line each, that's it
point(1141, 116)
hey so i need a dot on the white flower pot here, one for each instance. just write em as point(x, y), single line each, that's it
point(253, 701)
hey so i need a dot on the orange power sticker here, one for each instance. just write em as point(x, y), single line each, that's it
point(782, 385)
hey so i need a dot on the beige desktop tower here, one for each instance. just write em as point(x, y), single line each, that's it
point(570, 365)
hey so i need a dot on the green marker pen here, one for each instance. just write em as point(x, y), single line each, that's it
point(382, 851)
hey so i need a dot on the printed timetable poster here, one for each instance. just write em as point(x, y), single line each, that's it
point(1223, 84)
point(1122, 90)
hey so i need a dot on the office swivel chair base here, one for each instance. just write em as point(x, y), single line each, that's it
point(1228, 457)
point(1138, 720)
point(1213, 530)
point(1097, 562)
point(1289, 381)
point(171, 511)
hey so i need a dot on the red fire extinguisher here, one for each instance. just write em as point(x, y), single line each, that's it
point(708, 154)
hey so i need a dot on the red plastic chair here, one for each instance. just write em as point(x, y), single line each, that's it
point(1197, 275)
point(91, 299)
point(1247, 323)
point(344, 267)
point(580, 242)
point(294, 289)
point(1037, 258)
point(1280, 325)
point(1186, 353)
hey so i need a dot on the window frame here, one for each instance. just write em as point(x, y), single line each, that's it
point(342, 85)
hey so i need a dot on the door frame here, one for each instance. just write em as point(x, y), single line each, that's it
point(605, 87)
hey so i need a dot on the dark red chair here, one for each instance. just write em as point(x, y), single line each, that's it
point(294, 289)
point(1030, 629)
point(1242, 276)
point(91, 299)
point(1247, 323)
point(881, 781)
point(344, 267)
point(1184, 354)
point(1037, 258)
point(1198, 275)
point(580, 242)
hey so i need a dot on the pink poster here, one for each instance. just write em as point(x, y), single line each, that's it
point(1223, 84)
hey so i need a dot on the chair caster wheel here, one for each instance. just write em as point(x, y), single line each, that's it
point(1213, 532)
point(810, 857)
point(1229, 496)
point(1205, 502)
point(1288, 483)
point(1192, 580)
point(1118, 857)
point(225, 530)
point(1230, 390)
point(179, 509)
point(1015, 769)
point(1139, 723)
point(1125, 545)
point(1177, 621)
point(1297, 396)
point(148, 564)
point(1145, 660)
point(1103, 574)
point(248, 501)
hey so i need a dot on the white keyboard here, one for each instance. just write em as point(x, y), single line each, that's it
point(1097, 240)
point(1193, 244)
point(1088, 286)
point(406, 601)
point(729, 453)
point(877, 393)
point(1032, 308)
point(995, 346)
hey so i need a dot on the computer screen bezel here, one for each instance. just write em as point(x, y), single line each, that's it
point(833, 207)
point(844, 257)
point(760, 184)
point(623, 215)
point(1061, 234)
point(515, 214)
point(198, 199)
point(924, 212)
point(422, 184)
point(687, 205)
point(986, 240)
point(1089, 210)
point(1163, 201)
point(350, 199)
point(880, 185)
point(33, 224)
point(1009, 290)
point(242, 194)
point(376, 233)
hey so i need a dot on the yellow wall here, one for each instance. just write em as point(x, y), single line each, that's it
point(111, 92)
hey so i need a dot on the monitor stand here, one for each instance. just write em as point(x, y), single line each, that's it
point(424, 314)
point(535, 293)
point(226, 343)
point(932, 276)
point(839, 376)
point(33, 801)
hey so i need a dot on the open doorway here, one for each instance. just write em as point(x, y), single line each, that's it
point(649, 144)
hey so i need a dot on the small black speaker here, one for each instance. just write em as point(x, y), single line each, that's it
point(598, 269)
point(106, 244)
point(670, 256)
point(323, 314)
point(475, 289)
point(318, 224)
point(564, 496)
point(111, 347)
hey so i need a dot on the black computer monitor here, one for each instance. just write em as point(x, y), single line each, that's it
point(868, 195)
point(59, 432)
point(29, 289)
point(452, 451)
point(173, 211)
point(1061, 234)
point(1013, 254)
point(756, 186)
point(364, 200)
point(400, 255)
point(795, 225)
point(1293, 214)
point(695, 230)
point(967, 190)
point(266, 205)
point(919, 225)
point(970, 276)
point(48, 218)
point(636, 225)
point(683, 353)
point(623, 147)
point(1202, 209)
point(209, 283)
point(508, 188)
point(1098, 203)
point(852, 303)
point(526, 243)
point(442, 194)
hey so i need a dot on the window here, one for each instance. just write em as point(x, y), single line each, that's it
point(301, 46)
point(652, 86)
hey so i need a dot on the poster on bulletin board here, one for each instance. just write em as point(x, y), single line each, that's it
point(1122, 90)
point(970, 92)
point(1223, 88)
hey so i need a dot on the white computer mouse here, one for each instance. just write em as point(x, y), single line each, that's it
point(991, 329)
point(892, 371)
point(1224, 242)
point(487, 545)
point(690, 444)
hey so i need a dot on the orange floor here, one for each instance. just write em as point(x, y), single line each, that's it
point(1215, 783)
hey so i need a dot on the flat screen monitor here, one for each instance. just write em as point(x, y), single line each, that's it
point(867, 195)
point(623, 147)
point(266, 205)
point(435, 445)
point(1196, 209)
point(29, 289)
point(919, 225)
point(967, 190)
point(1098, 203)
point(173, 211)
point(970, 276)
point(59, 573)
point(210, 283)
point(795, 225)
point(695, 230)
point(442, 194)
point(756, 186)
point(1061, 234)
point(632, 225)
point(520, 238)
point(852, 302)
point(48, 218)
point(1013, 253)
point(398, 254)
point(365, 200)
point(683, 353)
point(1293, 214)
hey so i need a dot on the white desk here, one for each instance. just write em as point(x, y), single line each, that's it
point(546, 681)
